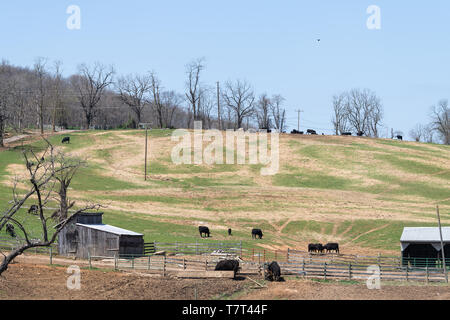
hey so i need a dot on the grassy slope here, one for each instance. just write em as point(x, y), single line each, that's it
point(360, 192)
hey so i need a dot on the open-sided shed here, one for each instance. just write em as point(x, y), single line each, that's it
point(85, 234)
point(422, 246)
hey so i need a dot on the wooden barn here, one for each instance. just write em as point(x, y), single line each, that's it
point(421, 247)
point(85, 234)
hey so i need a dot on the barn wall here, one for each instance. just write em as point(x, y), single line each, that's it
point(96, 243)
point(131, 245)
point(68, 239)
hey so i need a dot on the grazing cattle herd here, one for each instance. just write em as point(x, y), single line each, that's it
point(319, 248)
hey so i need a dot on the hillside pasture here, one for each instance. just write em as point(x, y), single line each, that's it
point(360, 192)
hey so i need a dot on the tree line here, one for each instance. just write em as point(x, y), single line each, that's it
point(361, 112)
point(96, 97)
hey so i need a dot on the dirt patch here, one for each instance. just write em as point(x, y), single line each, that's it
point(314, 290)
point(37, 282)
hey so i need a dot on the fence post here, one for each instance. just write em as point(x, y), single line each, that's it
point(325, 271)
point(196, 247)
point(89, 258)
point(132, 262)
point(149, 263)
point(51, 255)
point(427, 275)
point(184, 264)
point(350, 271)
point(407, 278)
point(115, 261)
point(164, 266)
point(253, 254)
point(381, 272)
point(206, 264)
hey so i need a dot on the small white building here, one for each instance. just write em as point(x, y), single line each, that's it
point(422, 246)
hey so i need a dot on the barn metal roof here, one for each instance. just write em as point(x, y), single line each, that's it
point(425, 235)
point(110, 229)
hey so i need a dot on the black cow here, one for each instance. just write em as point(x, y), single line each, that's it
point(400, 137)
point(33, 209)
point(315, 247)
point(204, 231)
point(311, 131)
point(346, 133)
point(360, 133)
point(228, 265)
point(66, 140)
point(257, 233)
point(229, 232)
point(10, 230)
point(296, 132)
point(329, 247)
point(273, 272)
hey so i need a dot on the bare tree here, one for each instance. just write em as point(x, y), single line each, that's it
point(418, 132)
point(239, 98)
point(41, 171)
point(172, 106)
point(41, 75)
point(57, 93)
point(193, 93)
point(133, 92)
point(363, 111)
point(262, 111)
point(90, 85)
point(156, 102)
point(340, 117)
point(278, 112)
point(440, 122)
point(206, 104)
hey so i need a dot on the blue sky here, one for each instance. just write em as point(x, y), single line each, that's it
point(271, 44)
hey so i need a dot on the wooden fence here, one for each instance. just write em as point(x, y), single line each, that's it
point(198, 248)
point(299, 256)
point(165, 265)
point(361, 272)
point(315, 270)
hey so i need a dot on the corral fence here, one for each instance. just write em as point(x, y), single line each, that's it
point(197, 248)
point(168, 264)
point(351, 271)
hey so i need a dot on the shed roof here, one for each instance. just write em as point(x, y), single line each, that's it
point(425, 235)
point(110, 229)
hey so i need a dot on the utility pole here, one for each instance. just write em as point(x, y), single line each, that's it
point(442, 245)
point(218, 105)
point(146, 137)
point(299, 111)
